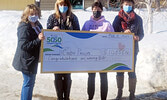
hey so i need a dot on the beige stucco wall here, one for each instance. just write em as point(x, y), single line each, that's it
point(14, 4)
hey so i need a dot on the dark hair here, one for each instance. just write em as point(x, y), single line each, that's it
point(97, 4)
point(122, 1)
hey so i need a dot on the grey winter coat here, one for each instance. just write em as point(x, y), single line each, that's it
point(28, 47)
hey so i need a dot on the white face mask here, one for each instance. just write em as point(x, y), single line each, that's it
point(33, 18)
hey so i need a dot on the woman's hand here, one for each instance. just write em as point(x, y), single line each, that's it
point(41, 36)
point(127, 31)
point(56, 28)
point(136, 38)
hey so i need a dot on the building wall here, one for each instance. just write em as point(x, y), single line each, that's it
point(14, 4)
point(44, 5)
point(47, 4)
point(88, 3)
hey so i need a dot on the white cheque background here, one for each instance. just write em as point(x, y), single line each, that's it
point(89, 54)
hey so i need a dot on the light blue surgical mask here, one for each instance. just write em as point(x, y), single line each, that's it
point(63, 9)
point(127, 8)
point(33, 18)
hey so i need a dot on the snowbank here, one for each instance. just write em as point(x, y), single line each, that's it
point(151, 64)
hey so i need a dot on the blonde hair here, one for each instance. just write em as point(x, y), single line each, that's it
point(57, 13)
point(26, 12)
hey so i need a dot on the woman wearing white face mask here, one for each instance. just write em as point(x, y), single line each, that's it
point(63, 19)
point(128, 21)
point(28, 46)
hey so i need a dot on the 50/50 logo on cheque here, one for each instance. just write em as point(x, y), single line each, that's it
point(54, 39)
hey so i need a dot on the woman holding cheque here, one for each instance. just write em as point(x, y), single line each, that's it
point(28, 47)
point(97, 23)
point(63, 19)
point(128, 21)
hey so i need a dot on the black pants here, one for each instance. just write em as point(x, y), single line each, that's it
point(63, 86)
point(104, 85)
point(64, 77)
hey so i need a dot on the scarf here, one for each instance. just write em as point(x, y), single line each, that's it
point(126, 19)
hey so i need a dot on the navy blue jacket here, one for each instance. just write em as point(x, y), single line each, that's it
point(136, 28)
point(28, 47)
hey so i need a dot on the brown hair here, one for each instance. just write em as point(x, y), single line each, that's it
point(132, 1)
point(97, 4)
point(26, 12)
point(57, 13)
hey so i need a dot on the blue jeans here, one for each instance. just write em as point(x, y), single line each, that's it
point(28, 85)
point(131, 74)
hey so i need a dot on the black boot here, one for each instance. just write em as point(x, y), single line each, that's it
point(120, 85)
point(67, 88)
point(132, 88)
point(59, 89)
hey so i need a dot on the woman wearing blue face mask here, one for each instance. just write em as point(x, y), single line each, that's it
point(128, 21)
point(28, 47)
point(63, 19)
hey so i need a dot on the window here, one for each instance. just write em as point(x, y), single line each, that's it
point(77, 4)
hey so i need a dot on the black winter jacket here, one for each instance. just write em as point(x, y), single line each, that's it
point(136, 27)
point(28, 47)
point(70, 24)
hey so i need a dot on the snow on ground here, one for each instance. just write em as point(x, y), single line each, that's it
point(151, 64)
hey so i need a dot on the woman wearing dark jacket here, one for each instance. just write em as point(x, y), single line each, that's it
point(28, 46)
point(63, 19)
point(128, 21)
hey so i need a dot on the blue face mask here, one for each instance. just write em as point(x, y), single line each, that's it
point(63, 9)
point(33, 18)
point(127, 8)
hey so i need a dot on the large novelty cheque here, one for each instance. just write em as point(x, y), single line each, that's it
point(85, 51)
